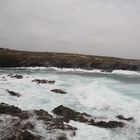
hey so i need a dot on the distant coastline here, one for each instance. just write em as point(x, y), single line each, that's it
point(15, 58)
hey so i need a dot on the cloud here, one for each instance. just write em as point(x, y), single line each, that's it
point(81, 26)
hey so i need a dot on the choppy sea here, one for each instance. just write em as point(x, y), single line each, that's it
point(102, 95)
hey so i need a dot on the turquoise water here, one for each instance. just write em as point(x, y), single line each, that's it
point(103, 95)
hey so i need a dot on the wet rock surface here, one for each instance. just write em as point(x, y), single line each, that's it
point(16, 76)
point(51, 122)
point(18, 124)
point(110, 124)
point(22, 125)
point(13, 93)
point(28, 136)
point(121, 117)
point(23, 136)
point(13, 111)
point(58, 91)
point(70, 114)
point(43, 81)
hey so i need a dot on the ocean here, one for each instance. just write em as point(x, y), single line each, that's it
point(100, 94)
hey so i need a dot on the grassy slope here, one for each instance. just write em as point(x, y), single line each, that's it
point(12, 58)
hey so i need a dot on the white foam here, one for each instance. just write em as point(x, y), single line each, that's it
point(122, 72)
point(98, 96)
point(126, 72)
point(87, 132)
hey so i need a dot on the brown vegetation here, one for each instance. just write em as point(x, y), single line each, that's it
point(12, 58)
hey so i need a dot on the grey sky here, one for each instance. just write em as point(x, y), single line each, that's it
point(98, 27)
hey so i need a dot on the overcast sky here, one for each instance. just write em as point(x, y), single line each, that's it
point(97, 27)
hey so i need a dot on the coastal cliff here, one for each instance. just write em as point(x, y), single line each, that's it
point(13, 58)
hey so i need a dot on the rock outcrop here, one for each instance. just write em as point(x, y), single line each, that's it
point(13, 111)
point(13, 93)
point(43, 81)
point(17, 76)
point(69, 114)
point(58, 91)
point(120, 117)
point(17, 124)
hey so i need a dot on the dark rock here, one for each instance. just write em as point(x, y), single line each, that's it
point(43, 81)
point(110, 124)
point(13, 93)
point(58, 91)
point(28, 136)
point(11, 138)
point(23, 135)
point(19, 125)
point(43, 115)
point(70, 114)
point(62, 138)
point(13, 111)
point(17, 76)
point(51, 122)
point(120, 117)
point(28, 126)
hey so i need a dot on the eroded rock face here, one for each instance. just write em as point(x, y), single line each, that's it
point(70, 114)
point(58, 91)
point(43, 81)
point(13, 93)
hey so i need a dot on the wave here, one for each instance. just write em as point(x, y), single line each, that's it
point(78, 70)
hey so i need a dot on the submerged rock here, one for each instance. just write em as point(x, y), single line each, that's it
point(120, 117)
point(110, 124)
point(13, 93)
point(16, 76)
point(70, 114)
point(58, 91)
point(43, 81)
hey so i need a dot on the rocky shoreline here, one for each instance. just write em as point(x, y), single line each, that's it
point(13, 58)
point(17, 124)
